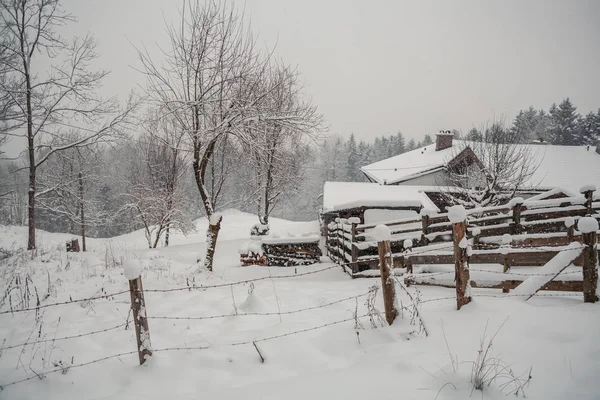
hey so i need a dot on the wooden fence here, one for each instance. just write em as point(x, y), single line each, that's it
point(520, 233)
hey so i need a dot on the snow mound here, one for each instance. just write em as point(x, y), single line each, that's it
point(587, 225)
point(569, 222)
point(382, 233)
point(132, 269)
point(587, 188)
point(457, 214)
point(354, 220)
point(408, 243)
point(515, 201)
point(476, 231)
point(253, 304)
point(507, 238)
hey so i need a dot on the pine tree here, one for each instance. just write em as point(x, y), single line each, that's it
point(411, 145)
point(474, 135)
point(541, 131)
point(525, 124)
point(563, 123)
point(427, 140)
point(400, 144)
point(352, 167)
point(587, 130)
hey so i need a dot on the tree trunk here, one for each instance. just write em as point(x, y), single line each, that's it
point(32, 166)
point(211, 240)
point(214, 224)
point(81, 211)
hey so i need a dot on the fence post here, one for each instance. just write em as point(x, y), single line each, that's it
point(588, 192)
point(425, 222)
point(458, 217)
point(354, 250)
point(132, 269)
point(383, 236)
point(588, 226)
point(515, 227)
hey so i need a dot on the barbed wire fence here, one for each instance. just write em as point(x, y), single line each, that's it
point(413, 308)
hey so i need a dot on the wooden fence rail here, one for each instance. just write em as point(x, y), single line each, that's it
point(535, 227)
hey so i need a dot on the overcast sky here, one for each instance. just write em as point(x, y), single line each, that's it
point(376, 67)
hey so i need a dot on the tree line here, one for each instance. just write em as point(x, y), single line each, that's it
point(560, 125)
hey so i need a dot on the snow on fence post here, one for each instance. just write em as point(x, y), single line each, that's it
point(458, 216)
point(383, 237)
point(515, 227)
point(588, 226)
point(588, 192)
point(132, 270)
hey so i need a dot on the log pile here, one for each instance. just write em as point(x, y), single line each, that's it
point(287, 254)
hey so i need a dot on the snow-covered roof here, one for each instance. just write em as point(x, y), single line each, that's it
point(567, 167)
point(411, 164)
point(345, 195)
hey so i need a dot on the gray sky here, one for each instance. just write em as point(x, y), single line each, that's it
point(376, 67)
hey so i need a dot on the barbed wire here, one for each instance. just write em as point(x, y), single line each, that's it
point(166, 349)
point(265, 314)
point(65, 337)
point(62, 303)
point(240, 282)
point(67, 367)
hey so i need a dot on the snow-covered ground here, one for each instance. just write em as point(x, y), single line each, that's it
point(554, 337)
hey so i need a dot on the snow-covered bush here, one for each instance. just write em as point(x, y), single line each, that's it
point(260, 230)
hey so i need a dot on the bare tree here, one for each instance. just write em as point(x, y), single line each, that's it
point(502, 167)
point(153, 182)
point(212, 81)
point(276, 148)
point(66, 188)
point(44, 103)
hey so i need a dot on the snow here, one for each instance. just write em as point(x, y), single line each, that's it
point(428, 212)
point(410, 164)
point(569, 222)
point(577, 166)
point(457, 214)
point(382, 233)
point(476, 231)
point(375, 216)
point(354, 220)
point(587, 188)
point(464, 243)
point(408, 243)
point(546, 273)
point(132, 269)
point(514, 201)
point(215, 218)
point(389, 362)
point(344, 195)
point(587, 224)
point(507, 238)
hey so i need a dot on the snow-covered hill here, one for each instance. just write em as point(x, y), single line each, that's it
point(308, 354)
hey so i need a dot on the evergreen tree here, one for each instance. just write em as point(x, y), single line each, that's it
point(352, 165)
point(427, 140)
point(541, 128)
point(524, 126)
point(400, 144)
point(563, 123)
point(411, 145)
point(474, 135)
point(588, 129)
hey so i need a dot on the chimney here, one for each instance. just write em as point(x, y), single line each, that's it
point(443, 140)
point(598, 148)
